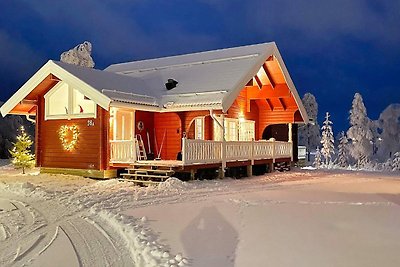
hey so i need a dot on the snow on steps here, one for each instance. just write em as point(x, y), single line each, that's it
point(147, 175)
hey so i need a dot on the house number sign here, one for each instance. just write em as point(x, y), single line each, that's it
point(90, 123)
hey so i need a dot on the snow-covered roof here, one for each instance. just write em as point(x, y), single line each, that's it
point(206, 80)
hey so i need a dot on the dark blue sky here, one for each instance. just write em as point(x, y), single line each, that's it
point(331, 48)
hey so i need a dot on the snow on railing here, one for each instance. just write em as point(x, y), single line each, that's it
point(206, 151)
point(122, 151)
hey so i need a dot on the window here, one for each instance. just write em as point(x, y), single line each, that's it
point(65, 102)
point(57, 103)
point(231, 130)
point(217, 130)
point(235, 130)
point(82, 104)
point(199, 128)
point(247, 130)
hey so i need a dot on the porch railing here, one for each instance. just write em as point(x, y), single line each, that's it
point(122, 151)
point(205, 151)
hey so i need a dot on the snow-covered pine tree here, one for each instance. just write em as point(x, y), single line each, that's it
point(342, 147)
point(21, 155)
point(309, 134)
point(80, 55)
point(327, 140)
point(317, 159)
point(360, 132)
point(388, 141)
point(396, 162)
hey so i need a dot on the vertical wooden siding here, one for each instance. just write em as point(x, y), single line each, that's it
point(187, 119)
point(170, 124)
point(148, 122)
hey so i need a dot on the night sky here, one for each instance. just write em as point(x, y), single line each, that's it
point(331, 48)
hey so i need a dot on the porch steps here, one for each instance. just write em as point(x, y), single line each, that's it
point(146, 175)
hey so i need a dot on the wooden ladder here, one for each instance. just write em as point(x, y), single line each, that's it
point(140, 150)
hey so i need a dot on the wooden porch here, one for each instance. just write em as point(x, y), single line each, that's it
point(207, 154)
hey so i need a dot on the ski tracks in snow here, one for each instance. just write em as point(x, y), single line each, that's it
point(26, 239)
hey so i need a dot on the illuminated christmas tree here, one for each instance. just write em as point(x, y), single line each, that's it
point(21, 153)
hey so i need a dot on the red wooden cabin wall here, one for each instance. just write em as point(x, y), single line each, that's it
point(148, 122)
point(91, 152)
point(240, 107)
point(168, 127)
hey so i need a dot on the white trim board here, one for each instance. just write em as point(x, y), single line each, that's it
point(51, 68)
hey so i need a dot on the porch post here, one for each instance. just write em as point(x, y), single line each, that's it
point(184, 150)
point(223, 149)
point(290, 140)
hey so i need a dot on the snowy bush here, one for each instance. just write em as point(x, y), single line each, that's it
point(396, 162)
point(317, 159)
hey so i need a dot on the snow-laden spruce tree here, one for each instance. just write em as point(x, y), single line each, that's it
point(80, 55)
point(327, 140)
point(359, 132)
point(396, 162)
point(342, 150)
point(317, 160)
point(388, 141)
point(309, 134)
point(21, 153)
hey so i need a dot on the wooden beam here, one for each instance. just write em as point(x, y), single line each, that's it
point(271, 81)
point(54, 78)
point(263, 105)
point(258, 81)
point(250, 83)
point(269, 104)
point(282, 103)
point(281, 90)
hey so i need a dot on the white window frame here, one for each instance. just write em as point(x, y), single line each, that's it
point(235, 133)
point(70, 115)
point(231, 129)
point(116, 124)
point(247, 130)
point(197, 121)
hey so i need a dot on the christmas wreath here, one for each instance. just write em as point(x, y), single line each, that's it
point(68, 136)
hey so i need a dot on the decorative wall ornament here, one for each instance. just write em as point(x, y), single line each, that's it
point(140, 125)
point(68, 144)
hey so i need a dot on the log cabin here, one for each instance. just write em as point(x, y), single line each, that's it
point(214, 109)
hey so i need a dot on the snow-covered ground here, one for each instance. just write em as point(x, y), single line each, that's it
point(297, 218)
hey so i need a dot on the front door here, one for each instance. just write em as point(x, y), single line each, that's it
point(124, 127)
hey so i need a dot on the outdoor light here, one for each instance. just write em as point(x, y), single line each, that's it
point(68, 144)
point(241, 117)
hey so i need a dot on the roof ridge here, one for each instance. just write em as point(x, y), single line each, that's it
point(186, 55)
point(191, 63)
